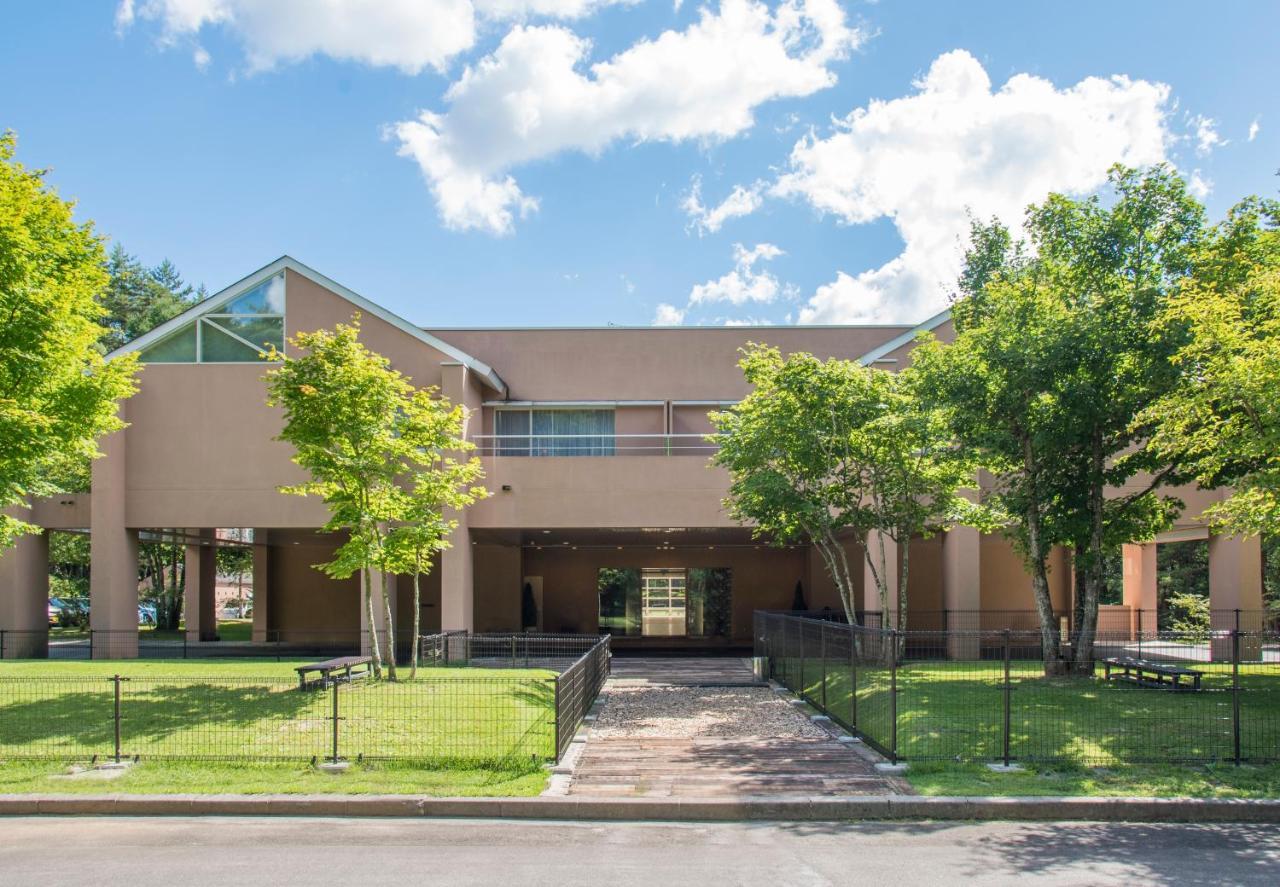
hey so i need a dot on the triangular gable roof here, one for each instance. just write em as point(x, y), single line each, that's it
point(905, 338)
point(486, 372)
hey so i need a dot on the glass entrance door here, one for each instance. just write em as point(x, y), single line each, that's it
point(662, 603)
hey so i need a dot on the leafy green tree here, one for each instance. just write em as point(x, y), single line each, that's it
point(57, 394)
point(1056, 355)
point(1223, 420)
point(138, 299)
point(440, 478)
point(341, 405)
point(827, 451)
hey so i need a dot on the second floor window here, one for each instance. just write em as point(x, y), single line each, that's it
point(553, 432)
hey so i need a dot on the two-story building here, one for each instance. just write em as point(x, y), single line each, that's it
point(603, 502)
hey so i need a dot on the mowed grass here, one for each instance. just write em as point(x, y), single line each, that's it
point(954, 711)
point(459, 718)
point(1126, 780)
point(214, 777)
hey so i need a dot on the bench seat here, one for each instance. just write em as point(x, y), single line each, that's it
point(343, 668)
point(1146, 673)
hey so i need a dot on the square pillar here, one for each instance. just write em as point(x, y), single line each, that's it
point(261, 593)
point(199, 598)
point(113, 556)
point(24, 595)
point(1140, 588)
point(457, 572)
point(961, 588)
point(1235, 584)
point(870, 591)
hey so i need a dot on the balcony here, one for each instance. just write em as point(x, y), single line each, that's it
point(539, 445)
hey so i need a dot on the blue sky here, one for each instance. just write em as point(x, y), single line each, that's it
point(223, 133)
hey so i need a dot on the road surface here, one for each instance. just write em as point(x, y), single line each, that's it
point(227, 852)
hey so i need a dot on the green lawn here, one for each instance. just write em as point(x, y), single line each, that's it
point(213, 777)
point(1159, 781)
point(459, 718)
point(953, 711)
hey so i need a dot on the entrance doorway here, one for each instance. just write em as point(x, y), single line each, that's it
point(662, 603)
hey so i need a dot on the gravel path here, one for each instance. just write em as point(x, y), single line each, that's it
point(689, 712)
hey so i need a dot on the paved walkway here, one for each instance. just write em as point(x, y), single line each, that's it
point(707, 728)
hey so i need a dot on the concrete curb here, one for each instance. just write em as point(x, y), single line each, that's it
point(870, 807)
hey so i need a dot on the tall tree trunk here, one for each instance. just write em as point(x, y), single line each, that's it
point(1086, 631)
point(1037, 555)
point(374, 649)
point(902, 590)
point(417, 614)
point(391, 627)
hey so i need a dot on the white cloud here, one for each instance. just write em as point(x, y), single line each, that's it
point(407, 34)
point(1254, 127)
point(742, 201)
point(537, 95)
point(1198, 185)
point(668, 315)
point(955, 146)
point(744, 283)
point(1207, 137)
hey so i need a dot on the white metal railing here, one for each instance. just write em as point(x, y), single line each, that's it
point(594, 444)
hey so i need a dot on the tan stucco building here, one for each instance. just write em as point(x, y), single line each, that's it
point(603, 501)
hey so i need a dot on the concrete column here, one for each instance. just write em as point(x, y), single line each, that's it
point(1235, 583)
point(457, 580)
point(962, 588)
point(870, 591)
point(1140, 594)
point(113, 556)
point(24, 594)
point(261, 586)
point(200, 603)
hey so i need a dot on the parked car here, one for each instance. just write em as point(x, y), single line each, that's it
point(69, 612)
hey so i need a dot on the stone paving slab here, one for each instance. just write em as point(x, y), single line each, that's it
point(704, 728)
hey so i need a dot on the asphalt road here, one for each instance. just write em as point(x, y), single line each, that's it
point(190, 852)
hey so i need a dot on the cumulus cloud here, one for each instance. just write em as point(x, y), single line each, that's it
point(956, 147)
point(407, 34)
point(742, 201)
point(1198, 185)
point(745, 284)
point(668, 315)
point(1254, 127)
point(537, 95)
point(1206, 134)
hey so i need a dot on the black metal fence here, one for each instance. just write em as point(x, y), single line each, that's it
point(505, 649)
point(1111, 619)
point(148, 644)
point(983, 696)
point(439, 718)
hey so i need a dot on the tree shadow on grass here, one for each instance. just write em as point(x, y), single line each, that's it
point(208, 717)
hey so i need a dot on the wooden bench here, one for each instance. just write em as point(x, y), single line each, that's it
point(344, 668)
point(1145, 673)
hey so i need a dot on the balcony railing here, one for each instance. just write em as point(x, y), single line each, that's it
point(594, 444)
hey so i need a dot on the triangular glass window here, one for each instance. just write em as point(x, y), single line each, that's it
point(179, 347)
point(235, 331)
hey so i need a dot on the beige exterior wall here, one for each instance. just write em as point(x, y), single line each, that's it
point(200, 453)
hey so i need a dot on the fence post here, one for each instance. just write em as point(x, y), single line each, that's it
point(853, 678)
point(334, 686)
point(1235, 695)
point(1008, 689)
point(513, 651)
point(800, 628)
point(1237, 618)
point(555, 701)
point(893, 694)
point(115, 680)
point(822, 651)
point(91, 643)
